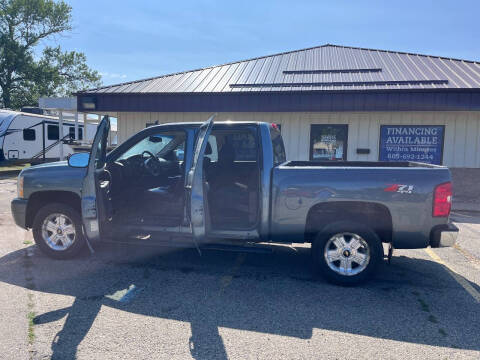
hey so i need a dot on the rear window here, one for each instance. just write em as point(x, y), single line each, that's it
point(279, 155)
point(244, 144)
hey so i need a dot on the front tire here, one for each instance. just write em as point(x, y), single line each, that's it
point(57, 230)
point(347, 253)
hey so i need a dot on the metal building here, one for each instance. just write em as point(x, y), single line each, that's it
point(332, 102)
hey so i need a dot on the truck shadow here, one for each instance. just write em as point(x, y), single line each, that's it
point(466, 217)
point(410, 300)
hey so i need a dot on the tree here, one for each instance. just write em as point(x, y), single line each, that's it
point(25, 76)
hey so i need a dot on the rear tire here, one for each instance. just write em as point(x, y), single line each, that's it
point(346, 253)
point(57, 230)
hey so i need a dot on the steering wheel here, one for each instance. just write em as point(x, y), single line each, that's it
point(152, 163)
point(148, 153)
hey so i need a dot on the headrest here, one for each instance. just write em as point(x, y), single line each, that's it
point(208, 149)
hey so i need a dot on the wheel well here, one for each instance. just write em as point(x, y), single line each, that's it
point(375, 216)
point(41, 198)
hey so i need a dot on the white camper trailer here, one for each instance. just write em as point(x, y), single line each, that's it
point(21, 136)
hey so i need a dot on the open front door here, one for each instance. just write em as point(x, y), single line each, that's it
point(195, 186)
point(96, 185)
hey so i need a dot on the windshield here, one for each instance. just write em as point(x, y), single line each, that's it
point(154, 144)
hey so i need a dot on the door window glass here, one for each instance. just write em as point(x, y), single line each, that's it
point(99, 161)
point(212, 150)
point(328, 142)
point(100, 155)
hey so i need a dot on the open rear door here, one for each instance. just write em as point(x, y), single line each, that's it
point(197, 208)
point(94, 190)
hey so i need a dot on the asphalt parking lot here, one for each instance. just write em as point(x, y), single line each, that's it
point(154, 303)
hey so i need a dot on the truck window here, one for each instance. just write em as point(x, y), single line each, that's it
point(278, 147)
point(243, 143)
point(169, 146)
point(52, 132)
point(212, 149)
point(245, 146)
point(29, 134)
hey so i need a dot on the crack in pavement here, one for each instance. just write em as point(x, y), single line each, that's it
point(30, 285)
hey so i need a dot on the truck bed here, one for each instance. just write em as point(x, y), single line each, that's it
point(298, 186)
point(369, 164)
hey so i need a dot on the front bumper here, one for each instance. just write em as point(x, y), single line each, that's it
point(19, 211)
point(444, 235)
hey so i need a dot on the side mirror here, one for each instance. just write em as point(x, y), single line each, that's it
point(179, 154)
point(79, 160)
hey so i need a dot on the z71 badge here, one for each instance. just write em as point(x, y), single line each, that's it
point(400, 188)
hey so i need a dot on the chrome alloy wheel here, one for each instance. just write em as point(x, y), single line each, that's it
point(347, 254)
point(58, 232)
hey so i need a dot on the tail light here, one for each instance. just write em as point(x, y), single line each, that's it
point(442, 200)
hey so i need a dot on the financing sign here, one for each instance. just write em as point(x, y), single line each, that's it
point(422, 143)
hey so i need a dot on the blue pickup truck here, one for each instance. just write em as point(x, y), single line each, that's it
point(227, 185)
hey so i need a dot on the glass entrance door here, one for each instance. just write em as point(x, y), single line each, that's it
point(328, 142)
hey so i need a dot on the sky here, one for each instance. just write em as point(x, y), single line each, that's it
point(132, 40)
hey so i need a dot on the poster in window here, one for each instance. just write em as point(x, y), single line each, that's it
point(420, 143)
point(328, 142)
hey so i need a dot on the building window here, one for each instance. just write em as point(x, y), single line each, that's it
point(52, 132)
point(71, 133)
point(421, 143)
point(328, 142)
point(29, 134)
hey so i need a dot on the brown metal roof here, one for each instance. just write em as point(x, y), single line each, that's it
point(323, 68)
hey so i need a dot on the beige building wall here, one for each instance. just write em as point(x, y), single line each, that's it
point(461, 143)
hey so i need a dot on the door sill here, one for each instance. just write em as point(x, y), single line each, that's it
point(247, 235)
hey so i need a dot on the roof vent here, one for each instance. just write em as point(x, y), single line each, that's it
point(343, 83)
point(32, 110)
point(333, 71)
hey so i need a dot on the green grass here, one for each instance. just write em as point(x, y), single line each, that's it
point(12, 167)
point(31, 334)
